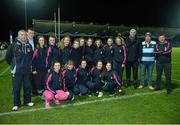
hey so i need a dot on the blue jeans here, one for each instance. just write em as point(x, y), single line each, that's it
point(149, 67)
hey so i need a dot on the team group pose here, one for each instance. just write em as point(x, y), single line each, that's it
point(63, 70)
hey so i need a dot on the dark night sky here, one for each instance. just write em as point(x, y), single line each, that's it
point(157, 13)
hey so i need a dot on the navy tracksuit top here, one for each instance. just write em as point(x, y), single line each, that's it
point(108, 53)
point(82, 76)
point(53, 53)
point(19, 56)
point(65, 54)
point(75, 56)
point(119, 53)
point(98, 54)
point(53, 82)
point(69, 78)
point(88, 54)
point(96, 75)
point(39, 59)
point(112, 77)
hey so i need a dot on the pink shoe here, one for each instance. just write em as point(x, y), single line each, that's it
point(47, 104)
point(57, 102)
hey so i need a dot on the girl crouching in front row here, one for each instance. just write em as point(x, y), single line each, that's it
point(54, 87)
point(111, 80)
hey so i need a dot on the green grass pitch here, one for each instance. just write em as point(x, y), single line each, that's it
point(135, 106)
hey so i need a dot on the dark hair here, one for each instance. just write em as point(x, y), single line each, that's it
point(30, 28)
point(41, 36)
point(53, 36)
point(52, 66)
point(99, 61)
point(110, 63)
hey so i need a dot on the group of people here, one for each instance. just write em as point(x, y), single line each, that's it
point(63, 70)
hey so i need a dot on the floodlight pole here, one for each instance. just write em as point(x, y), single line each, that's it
point(25, 11)
point(58, 23)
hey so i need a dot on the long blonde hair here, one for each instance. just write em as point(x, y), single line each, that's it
point(61, 42)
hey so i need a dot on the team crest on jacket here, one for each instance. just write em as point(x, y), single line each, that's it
point(19, 50)
point(119, 51)
point(28, 50)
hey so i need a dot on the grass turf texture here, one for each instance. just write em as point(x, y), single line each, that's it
point(150, 108)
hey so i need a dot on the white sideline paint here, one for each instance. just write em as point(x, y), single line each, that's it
point(87, 102)
point(2, 73)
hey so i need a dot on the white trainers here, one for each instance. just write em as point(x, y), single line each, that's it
point(120, 90)
point(89, 95)
point(151, 88)
point(15, 108)
point(100, 94)
point(30, 104)
point(140, 87)
point(72, 98)
point(112, 94)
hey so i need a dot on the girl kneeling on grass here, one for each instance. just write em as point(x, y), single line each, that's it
point(69, 80)
point(111, 80)
point(96, 75)
point(54, 87)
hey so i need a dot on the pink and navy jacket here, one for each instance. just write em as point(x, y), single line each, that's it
point(69, 78)
point(82, 76)
point(112, 77)
point(53, 82)
point(163, 52)
point(39, 59)
point(65, 54)
point(119, 53)
point(96, 75)
point(53, 53)
point(108, 53)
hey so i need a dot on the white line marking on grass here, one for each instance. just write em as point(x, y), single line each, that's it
point(2, 73)
point(87, 102)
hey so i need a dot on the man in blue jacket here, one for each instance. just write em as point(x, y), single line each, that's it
point(19, 56)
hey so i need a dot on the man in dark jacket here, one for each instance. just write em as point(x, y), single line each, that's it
point(19, 56)
point(132, 43)
point(163, 62)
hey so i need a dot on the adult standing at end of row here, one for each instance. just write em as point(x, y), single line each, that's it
point(19, 56)
point(163, 62)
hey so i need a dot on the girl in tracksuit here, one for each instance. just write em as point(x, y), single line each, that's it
point(39, 68)
point(111, 80)
point(98, 51)
point(69, 80)
point(53, 52)
point(82, 47)
point(96, 79)
point(65, 48)
point(119, 58)
point(82, 78)
point(108, 51)
point(75, 55)
point(89, 52)
point(54, 86)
